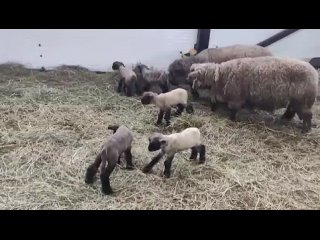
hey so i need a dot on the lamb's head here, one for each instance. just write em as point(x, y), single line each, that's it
point(116, 65)
point(113, 127)
point(203, 75)
point(157, 141)
point(178, 71)
point(147, 97)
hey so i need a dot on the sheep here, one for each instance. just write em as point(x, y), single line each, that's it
point(164, 101)
point(266, 83)
point(189, 138)
point(116, 144)
point(149, 78)
point(179, 69)
point(128, 78)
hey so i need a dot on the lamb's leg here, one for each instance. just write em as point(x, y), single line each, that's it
point(194, 153)
point(105, 174)
point(92, 170)
point(129, 159)
point(164, 87)
point(153, 162)
point(179, 110)
point(167, 166)
point(167, 116)
point(202, 152)
point(120, 85)
point(160, 117)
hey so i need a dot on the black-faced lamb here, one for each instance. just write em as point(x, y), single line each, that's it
point(165, 101)
point(116, 144)
point(266, 83)
point(127, 80)
point(148, 78)
point(179, 69)
point(190, 138)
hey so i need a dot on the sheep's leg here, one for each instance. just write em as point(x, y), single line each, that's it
point(164, 87)
point(289, 113)
point(160, 117)
point(234, 108)
point(128, 155)
point(167, 166)
point(130, 88)
point(202, 152)
point(194, 153)
point(105, 175)
point(179, 110)
point(153, 162)
point(139, 88)
point(167, 116)
point(305, 115)
point(92, 170)
point(120, 85)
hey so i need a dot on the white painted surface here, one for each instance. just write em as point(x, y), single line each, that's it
point(95, 49)
point(225, 37)
point(304, 43)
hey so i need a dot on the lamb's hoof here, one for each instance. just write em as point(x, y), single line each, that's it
point(193, 159)
point(314, 125)
point(158, 124)
point(168, 124)
point(202, 160)
point(146, 170)
point(166, 174)
point(130, 167)
point(107, 191)
point(89, 180)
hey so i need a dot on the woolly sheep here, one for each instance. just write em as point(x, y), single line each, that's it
point(116, 144)
point(267, 83)
point(150, 78)
point(179, 69)
point(190, 138)
point(128, 78)
point(165, 101)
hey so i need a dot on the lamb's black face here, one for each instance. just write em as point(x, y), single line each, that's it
point(116, 65)
point(155, 144)
point(146, 99)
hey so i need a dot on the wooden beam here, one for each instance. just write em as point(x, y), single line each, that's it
point(277, 37)
point(203, 39)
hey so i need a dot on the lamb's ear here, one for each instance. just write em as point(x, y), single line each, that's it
point(163, 142)
point(113, 127)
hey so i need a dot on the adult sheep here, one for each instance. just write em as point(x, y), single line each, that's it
point(179, 69)
point(266, 83)
point(127, 80)
point(148, 78)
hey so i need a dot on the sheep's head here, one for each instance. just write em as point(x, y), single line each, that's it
point(178, 70)
point(147, 97)
point(141, 66)
point(116, 65)
point(157, 141)
point(201, 75)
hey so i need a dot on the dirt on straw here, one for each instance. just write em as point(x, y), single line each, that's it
point(53, 124)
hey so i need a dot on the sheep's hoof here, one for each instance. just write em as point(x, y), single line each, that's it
point(168, 124)
point(89, 180)
point(202, 161)
point(158, 124)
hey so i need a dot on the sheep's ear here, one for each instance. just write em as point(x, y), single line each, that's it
point(163, 142)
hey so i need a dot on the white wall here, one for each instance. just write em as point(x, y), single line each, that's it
point(304, 43)
point(225, 37)
point(92, 48)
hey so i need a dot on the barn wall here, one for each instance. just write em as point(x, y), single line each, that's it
point(92, 48)
point(225, 37)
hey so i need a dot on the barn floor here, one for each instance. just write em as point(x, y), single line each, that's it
point(52, 125)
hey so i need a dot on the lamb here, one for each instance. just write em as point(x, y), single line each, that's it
point(149, 78)
point(190, 138)
point(164, 101)
point(266, 83)
point(118, 143)
point(179, 69)
point(128, 79)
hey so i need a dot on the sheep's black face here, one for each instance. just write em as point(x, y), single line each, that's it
point(146, 99)
point(178, 72)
